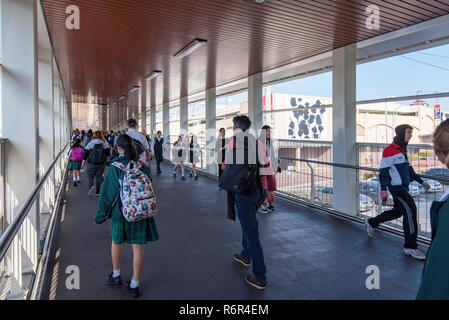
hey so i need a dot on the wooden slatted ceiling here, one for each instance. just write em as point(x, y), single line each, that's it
point(121, 41)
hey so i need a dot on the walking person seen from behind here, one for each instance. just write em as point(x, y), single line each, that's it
point(135, 233)
point(246, 182)
point(396, 173)
point(76, 154)
point(265, 138)
point(435, 276)
point(95, 154)
point(140, 142)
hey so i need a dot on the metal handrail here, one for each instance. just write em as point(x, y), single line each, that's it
point(10, 233)
point(380, 144)
point(350, 166)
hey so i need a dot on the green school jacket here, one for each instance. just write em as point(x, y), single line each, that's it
point(110, 189)
point(435, 276)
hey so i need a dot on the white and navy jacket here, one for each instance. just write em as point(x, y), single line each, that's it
point(396, 173)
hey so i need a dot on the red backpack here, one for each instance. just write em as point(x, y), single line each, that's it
point(77, 154)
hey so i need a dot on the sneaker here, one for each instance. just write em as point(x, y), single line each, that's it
point(183, 178)
point(369, 229)
point(191, 174)
point(263, 209)
point(75, 184)
point(134, 292)
point(257, 284)
point(91, 191)
point(271, 208)
point(174, 175)
point(97, 195)
point(415, 253)
point(238, 257)
point(267, 207)
point(110, 280)
point(196, 177)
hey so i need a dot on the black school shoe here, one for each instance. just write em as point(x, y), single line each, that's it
point(110, 280)
point(134, 292)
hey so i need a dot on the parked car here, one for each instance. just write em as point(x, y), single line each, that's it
point(324, 194)
point(366, 203)
point(442, 172)
point(370, 189)
point(412, 189)
point(435, 186)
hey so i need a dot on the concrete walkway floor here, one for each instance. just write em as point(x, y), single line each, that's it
point(309, 254)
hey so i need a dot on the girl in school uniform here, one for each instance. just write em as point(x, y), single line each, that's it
point(192, 153)
point(435, 276)
point(76, 158)
point(135, 233)
point(178, 156)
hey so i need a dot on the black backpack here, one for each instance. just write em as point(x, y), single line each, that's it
point(242, 178)
point(97, 155)
point(138, 146)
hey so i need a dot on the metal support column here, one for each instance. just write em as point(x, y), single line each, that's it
point(344, 129)
point(211, 114)
point(255, 102)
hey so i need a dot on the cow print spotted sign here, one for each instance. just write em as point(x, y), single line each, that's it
point(306, 123)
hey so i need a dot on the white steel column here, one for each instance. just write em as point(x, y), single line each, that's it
point(344, 129)
point(184, 115)
point(45, 71)
point(166, 125)
point(211, 112)
point(20, 126)
point(143, 105)
point(255, 101)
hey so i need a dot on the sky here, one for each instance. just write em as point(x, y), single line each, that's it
point(421, 72)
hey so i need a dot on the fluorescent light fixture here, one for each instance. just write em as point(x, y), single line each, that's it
point(259, 1)
point(192, 46)
point(135, 88)
point(122, 97)
point(153, 74)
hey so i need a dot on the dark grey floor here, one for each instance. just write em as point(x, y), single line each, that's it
point(309, 255)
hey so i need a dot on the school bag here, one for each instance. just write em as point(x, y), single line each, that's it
point(242, 178)
point(97, 155)
point(138, 146)
point(77, 154)
point(136, 194)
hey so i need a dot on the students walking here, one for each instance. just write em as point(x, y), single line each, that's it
point(396, 173)
point(220, 150)
point(76, 159)
point(95, 155)
point(245, 183)
point(135, 233)
point(193, 155)
point(76, 135)
point(435, 276)
point(178, 157)
point(265, 138)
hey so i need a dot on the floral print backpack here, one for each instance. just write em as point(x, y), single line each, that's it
point(137, 194)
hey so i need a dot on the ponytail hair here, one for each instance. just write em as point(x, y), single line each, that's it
point(441, 140)
point(125, 142)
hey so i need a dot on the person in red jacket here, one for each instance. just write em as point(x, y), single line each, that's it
point(246, 206)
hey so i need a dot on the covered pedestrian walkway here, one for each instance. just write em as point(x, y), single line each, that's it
point(187, 68)
point(309, 254)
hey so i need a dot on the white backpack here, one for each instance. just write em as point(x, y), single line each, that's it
point(137, 194)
